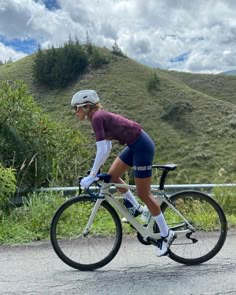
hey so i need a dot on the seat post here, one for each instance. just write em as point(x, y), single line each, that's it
point(162, 179)
point(165, 169)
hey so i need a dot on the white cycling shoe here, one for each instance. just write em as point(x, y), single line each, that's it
point(165, 243)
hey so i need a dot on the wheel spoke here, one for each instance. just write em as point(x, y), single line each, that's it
point(209, 221)
point(90, 250)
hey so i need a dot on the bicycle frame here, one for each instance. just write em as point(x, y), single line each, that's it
point(147, 231)
point(94, 247)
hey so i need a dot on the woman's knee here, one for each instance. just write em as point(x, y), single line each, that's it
point(115, 178)
point(117, 168)
point(115, 174)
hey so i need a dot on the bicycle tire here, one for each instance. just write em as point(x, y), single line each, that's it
point(89, 252)
point(209, 220)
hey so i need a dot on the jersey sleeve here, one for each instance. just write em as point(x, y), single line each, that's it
point(98, 127)
point(103, 151)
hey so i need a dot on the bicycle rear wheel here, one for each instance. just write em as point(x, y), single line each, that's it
point(90, 251)
point(209, 221)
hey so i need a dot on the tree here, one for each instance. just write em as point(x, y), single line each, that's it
point(117, 50)
point(89, 44)
point(57, 67)
point(153, 84)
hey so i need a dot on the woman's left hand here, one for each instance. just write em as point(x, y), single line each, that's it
point(87, 181)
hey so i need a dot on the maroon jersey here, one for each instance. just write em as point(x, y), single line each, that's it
point(111, 126)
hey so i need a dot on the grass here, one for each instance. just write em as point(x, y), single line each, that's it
point(218, 86)
point(32, 221)
point(226, 197)
point(201, 141)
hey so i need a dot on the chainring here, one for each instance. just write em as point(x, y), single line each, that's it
point(141, 239)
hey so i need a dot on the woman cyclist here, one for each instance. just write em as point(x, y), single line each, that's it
point(138, 154)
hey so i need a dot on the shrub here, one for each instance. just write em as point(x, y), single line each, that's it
point(117, 50)
point(153, 84)
point(175, 111)
point(57, 67)
point(39, 149)
point(7, 185)
point(98, 58)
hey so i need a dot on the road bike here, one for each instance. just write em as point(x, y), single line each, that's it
point(86, 231)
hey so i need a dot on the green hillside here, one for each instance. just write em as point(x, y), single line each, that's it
point(192, 118)
point(219, 86)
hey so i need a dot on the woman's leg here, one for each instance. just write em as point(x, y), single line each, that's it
point(143, 186)
point(118, 168)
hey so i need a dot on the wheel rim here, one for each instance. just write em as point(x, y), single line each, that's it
point(97, 247)
point(208, 220)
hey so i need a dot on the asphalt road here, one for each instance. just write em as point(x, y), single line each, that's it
point(35, 269)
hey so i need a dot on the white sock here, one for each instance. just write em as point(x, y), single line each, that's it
point(161, 222)
point(129, 196)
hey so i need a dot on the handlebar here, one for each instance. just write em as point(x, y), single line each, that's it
point(165, 170)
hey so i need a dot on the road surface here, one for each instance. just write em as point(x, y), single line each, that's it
point(35, 269)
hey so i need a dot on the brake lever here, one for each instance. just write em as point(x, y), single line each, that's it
point(96, 182)
point(79, 180)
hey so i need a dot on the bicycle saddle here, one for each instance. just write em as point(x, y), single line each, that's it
point(168, 167)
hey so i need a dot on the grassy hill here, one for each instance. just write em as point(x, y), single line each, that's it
point(230, 72)
point(218, 86)
point(192, 117)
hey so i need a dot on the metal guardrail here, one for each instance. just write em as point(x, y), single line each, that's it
point(169, 188)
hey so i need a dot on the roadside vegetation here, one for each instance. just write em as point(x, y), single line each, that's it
point(190, 117)
point(58, 67)
point(41, 151)
point(31, 222)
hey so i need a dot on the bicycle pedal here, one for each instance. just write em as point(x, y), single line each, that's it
point(154, 242)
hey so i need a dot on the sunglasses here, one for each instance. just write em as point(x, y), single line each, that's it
point(76, 107)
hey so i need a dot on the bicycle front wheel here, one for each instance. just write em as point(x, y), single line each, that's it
point(91, 250)
point(208, 220)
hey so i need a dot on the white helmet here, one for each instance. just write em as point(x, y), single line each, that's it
point(84, 97)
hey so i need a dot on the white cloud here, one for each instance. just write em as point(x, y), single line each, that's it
point(33, 20)
point(152, 32)
point(7, 53)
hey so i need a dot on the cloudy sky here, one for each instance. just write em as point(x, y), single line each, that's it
point(184, 35)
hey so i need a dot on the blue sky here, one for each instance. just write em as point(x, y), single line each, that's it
point(180, 58)
point(193, 36)
point(51, 4)
point(26, 46)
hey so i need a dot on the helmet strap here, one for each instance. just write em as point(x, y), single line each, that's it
point(86, 111)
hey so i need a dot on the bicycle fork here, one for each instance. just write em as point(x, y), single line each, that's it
point(92, 216)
